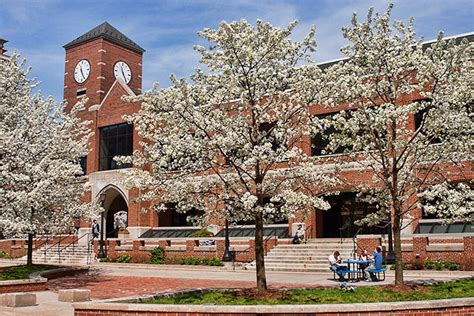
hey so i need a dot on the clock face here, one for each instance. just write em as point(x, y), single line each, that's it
point(122, 71)
point(82, 71)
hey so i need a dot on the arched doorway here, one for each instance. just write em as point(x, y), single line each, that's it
point(112, 221)
point(114, 205)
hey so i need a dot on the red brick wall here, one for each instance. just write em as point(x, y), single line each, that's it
point(141, 256)
point(30, 287)
point(420, 254)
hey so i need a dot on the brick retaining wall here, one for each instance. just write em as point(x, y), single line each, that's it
point(23, 286)
point(460, 307)
point(185, 248)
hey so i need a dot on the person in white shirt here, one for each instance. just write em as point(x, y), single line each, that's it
point(334, 265)
point(299, 235)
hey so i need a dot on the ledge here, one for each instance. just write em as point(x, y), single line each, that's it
point(176, 248)
point(279, 309)
point(205, 248)
point(445, 247)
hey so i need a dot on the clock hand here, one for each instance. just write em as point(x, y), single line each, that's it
point(83, 77)
point(123, 74)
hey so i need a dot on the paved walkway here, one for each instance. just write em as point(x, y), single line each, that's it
point(114, 281)
point(47, 305)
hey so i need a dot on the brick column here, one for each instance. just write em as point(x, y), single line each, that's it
point(419, 247)
point(468, 263)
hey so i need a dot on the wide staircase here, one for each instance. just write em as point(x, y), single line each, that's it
point(307, 257)
point(57, 254)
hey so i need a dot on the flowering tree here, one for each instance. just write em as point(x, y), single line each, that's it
point(41, 182)
point(452, 202)
point(227, 142)
point(408, 118)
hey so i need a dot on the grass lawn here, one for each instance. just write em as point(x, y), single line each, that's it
point(363, 294)
point(22, 272)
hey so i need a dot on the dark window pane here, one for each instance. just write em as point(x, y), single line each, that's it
point(320, 141)
point(83, 162)
point(115, 140)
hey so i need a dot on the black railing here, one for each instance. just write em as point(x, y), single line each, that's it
point(73, 243)
point(306, 233)
point(58, 243)
point(59, 249)
point(355, 245)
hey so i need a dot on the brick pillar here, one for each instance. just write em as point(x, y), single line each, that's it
point(419, 247)
point(220, 246)
point(468, 263)
point(136, 245)
point(190, 246)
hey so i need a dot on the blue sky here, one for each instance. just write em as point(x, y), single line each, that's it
point(167, 29)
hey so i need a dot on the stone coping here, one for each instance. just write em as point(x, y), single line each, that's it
point(290, 309)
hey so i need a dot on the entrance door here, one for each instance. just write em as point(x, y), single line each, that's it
point(113, 222)
point(339, 220)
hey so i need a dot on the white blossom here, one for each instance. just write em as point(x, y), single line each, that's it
point(41, 181)
point(387, 79)
point(226, 142)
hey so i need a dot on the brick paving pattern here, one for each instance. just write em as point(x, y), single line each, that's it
point(110, 286)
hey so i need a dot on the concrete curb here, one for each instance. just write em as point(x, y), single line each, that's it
point(279, 309)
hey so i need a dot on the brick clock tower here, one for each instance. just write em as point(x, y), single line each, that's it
point(104, 65)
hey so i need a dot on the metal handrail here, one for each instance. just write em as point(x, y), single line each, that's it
point(54, 244)
point(306, 233)
point(74, 241)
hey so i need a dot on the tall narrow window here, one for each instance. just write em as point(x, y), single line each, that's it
point(267, 127)
point(115, 140)
point(83, 163)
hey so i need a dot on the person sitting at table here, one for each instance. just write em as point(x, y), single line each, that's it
point(334, 264)
point(374, 265)
point(364, 256)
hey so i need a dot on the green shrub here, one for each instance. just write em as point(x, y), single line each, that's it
point(438, 266)
point(452, 266)
point(106, 259)
point(215, 262)
point(193, 261)
point(202, 233)
point(404, 267)
point(158, 255)
point(429, 264)
point(125, 258)
point(3, 254)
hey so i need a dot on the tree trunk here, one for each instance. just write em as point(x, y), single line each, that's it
point(260, 254)
point(397, 245)
point(29, 257)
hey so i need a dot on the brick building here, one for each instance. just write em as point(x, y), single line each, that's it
point(104, 65)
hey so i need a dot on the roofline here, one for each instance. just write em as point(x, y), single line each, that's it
point(109, 39)
point(423, 43)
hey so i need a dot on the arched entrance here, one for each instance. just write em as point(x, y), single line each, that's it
point(116, 211)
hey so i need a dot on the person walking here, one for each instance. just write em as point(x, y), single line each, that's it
point(95, 230)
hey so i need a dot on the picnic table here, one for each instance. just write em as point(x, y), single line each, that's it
point(356, 268)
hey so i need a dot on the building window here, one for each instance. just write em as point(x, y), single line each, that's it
point(267, 129)
point(83, 163)
point(172, 218)
point(320, 141)
point(115, 140)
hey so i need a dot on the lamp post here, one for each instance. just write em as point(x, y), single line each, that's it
point(101, 253)
point(227, 256)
